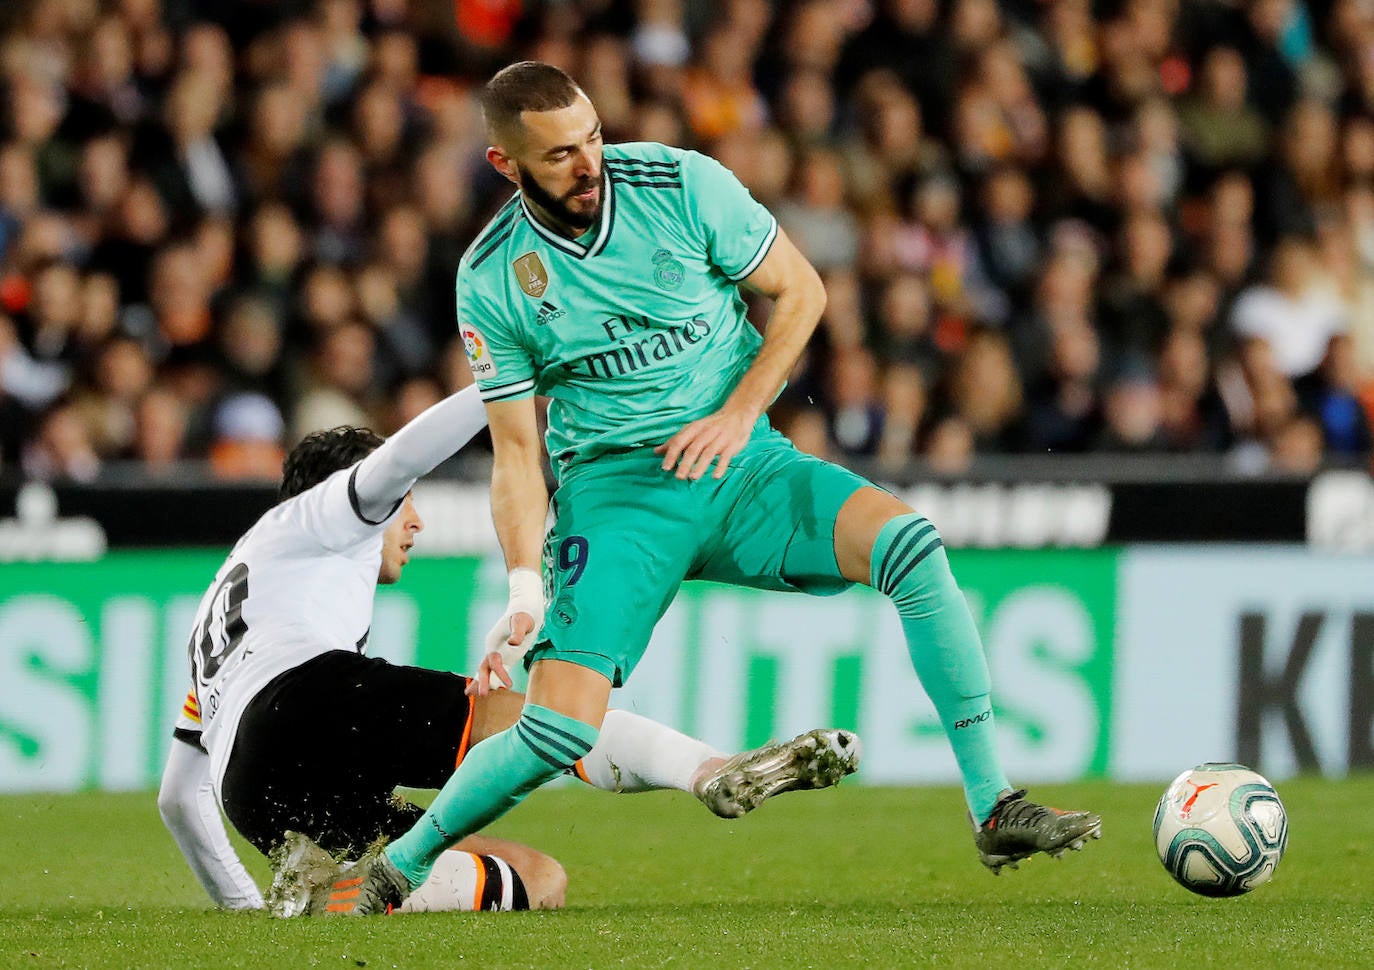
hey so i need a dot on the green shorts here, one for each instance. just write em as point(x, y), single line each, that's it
point(626, 534)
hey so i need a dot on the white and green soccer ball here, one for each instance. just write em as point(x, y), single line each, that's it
point(1220, 830)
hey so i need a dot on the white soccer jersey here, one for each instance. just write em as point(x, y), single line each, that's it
point(299, 583)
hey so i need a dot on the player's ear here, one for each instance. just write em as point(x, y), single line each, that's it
point(503, 163)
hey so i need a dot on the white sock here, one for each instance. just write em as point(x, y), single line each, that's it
point(635, 754)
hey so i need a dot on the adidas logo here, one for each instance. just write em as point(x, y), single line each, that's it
point(548, 313)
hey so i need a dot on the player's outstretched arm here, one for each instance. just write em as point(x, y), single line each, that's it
point(431, 437)
point(795, 286)
point(519, 505)
point(186, 802)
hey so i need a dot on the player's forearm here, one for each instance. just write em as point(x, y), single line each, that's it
point(795, 314)
point(519, 504)
point(427, 440)
point(186, 802)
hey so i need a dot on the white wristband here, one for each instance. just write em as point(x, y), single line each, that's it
point(526, 596)
point(527, 589)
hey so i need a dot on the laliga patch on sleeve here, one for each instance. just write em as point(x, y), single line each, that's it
point(478, 351)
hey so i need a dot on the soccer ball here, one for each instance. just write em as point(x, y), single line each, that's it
point(1220, 830)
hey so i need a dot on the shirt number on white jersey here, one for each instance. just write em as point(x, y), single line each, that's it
point(220, 635)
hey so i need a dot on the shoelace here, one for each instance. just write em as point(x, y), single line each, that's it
point(1015, 811)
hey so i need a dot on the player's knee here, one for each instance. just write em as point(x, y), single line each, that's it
point(546, 882)
point(171, 805)
point(169, 808)
point(909, 562)
point(522, 878)
point(559, 741)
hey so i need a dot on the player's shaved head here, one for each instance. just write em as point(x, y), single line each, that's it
point(520, 87)
point(322, 453)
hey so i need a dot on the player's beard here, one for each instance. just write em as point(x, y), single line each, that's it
point(558, 206)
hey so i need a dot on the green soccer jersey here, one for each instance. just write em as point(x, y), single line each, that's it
point(636, 327)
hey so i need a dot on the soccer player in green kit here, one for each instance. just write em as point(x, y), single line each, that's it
point(609, 283)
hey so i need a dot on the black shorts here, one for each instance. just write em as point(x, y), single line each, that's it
point(321, 747)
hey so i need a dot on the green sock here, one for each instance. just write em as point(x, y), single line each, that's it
point(495, 776)
point(909, 564)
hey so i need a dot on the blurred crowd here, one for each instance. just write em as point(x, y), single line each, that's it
point(1045, 226)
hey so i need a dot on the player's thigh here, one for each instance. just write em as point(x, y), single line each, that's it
point(494, 712)
point(415, 725)
point(779, 532)
point(286, 770)
point(860, 520)
point(614, 559)
point(322, 747)
point(343, 723)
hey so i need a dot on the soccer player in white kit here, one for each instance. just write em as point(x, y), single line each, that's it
point(289, 725)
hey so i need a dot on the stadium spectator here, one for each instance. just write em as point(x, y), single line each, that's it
point(1192, 417)
point(134, 232)
point(986, 392)
point(247, 438)
point(1221, 129)
point(102, 179)
point(273, 246)
point(856, 415)
point(339, 386)
point(1132, 412)
point(1297, 447)
point(337, 202)
point(892, 148)
point(815, 213)
point(250, 348)
point(403, 344)
point(904, 399)
point(104, 87)
point(24, 381)
point(1132, 316)
point(1293, 315)
point(950, 447)
point(1009, 245)
point(187, 162)
point(270, 158)
point(325, 301)
point(1307, 178)
point(120, 374)
point(718, 92)
point(1063, 407)
point(1357, 149)
point(410, 399)
point(62, 449)
point(160, 425)
point(904, 38)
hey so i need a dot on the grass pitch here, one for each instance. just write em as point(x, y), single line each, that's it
point(858, 877)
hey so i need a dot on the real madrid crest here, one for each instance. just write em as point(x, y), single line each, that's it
point(668, 272)
point(531, 274)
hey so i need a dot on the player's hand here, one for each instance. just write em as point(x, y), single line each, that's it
point(717, 437)
point(492, 672)
point(491, 675)
point(512, 636)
